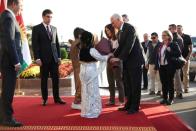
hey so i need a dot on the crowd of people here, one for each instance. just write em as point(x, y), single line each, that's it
point(180, 79)
point(127, 60)
point(166, 61)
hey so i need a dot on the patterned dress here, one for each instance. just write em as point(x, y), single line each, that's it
point(91, 105)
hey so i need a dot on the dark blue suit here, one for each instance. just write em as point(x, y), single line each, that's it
point(10, 55)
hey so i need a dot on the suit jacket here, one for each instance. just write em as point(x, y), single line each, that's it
point(145, 47)
point(10, 40)
point(45, 48)
point(169, 55)
point(130, 49)
point(178, 39)
point(152, 52)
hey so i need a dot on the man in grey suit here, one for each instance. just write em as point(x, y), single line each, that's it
point(10, 60)
point(47, 54)
point(131, 52)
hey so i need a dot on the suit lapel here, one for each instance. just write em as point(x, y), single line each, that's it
point(15, 22)
point(44, 30)
point(120, 33)
point(52, 33)
point(118, 36)
point(17, 27)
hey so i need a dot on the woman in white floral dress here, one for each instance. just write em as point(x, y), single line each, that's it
point(91, 105)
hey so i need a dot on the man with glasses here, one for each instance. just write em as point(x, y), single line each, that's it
point(47, 55)
point(153, 48)
point(177, 78)
point(186, 53)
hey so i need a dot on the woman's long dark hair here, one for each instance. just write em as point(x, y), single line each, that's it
point(112, 30)
point(86, 40)
point(77, 32)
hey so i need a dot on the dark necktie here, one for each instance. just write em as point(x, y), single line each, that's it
point(146, 44)
point(48, 31)
point(118, 35)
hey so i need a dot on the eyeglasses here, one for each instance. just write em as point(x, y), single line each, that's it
point(153, 37)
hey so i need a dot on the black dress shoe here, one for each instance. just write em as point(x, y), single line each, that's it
point(179, 96)
point(123, 109)
point(144, 88)
point(59, 101)
point(152, 93)
point(131, 112)
point(163, 101)
point(158, 93)
point(12, 123)
point(170, 102)
point(44, 102)
point(110, 103)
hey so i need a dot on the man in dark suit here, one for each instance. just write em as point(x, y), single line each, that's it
point(131, 52)
point(145, 44)
point(10, 60)
point(177, 77)
point(47, 54)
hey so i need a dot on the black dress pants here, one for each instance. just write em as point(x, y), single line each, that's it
point(52, 69)
point(8, 87)
point(133, 82)
point(145, 77)
point(166, 73)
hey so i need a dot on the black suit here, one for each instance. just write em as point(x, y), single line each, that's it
point(131, 52)
point(10, 55)
point(145, 71)
point(47, 50)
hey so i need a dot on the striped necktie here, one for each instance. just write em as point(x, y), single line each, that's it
point(49, 33)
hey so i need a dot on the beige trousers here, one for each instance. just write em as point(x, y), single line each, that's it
point(177, 82)
point(185, 70)
point(154, 79)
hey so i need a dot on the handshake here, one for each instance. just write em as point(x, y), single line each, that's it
point(113, 61)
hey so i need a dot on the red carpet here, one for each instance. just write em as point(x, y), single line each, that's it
point(34, 116)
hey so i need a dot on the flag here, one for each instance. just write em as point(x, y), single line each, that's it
point(25, 46)
point(2, 5)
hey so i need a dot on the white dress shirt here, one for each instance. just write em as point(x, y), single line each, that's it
point(114, 44)
point(163, 60)
point(45, 25)
point(122, 26)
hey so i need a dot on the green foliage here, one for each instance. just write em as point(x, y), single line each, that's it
point(64, 54)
